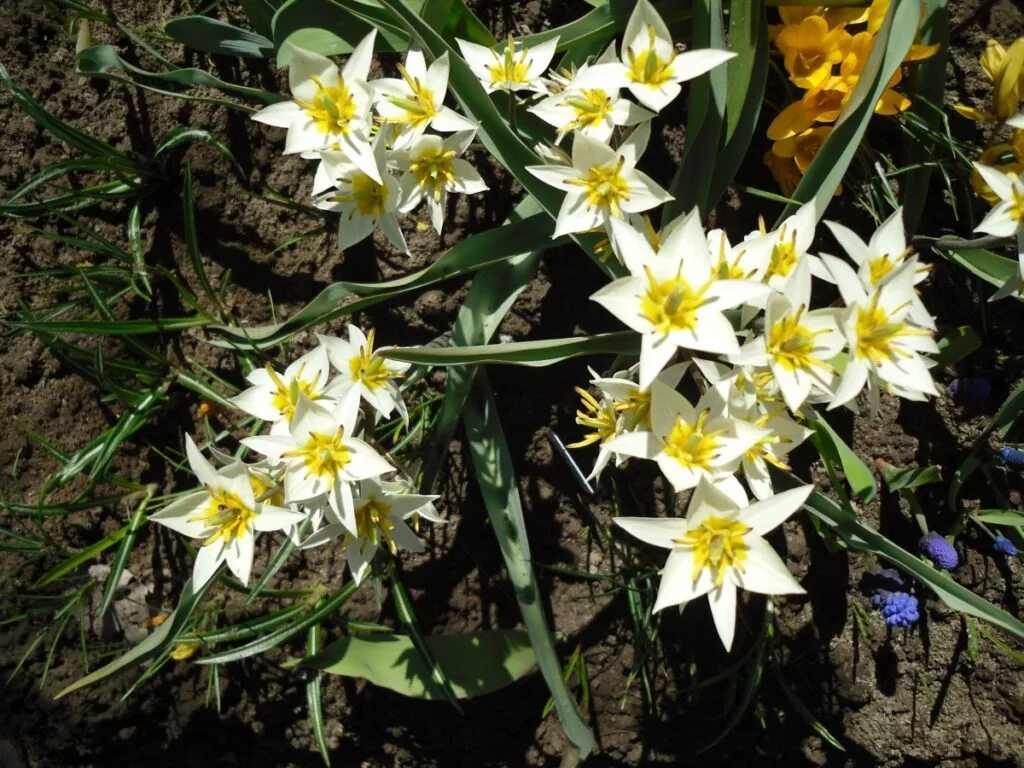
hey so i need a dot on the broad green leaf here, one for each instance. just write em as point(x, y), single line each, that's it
point(990, 267)
point(159, 639)
point(333, 27)
point(1000, 517)
point(860, 478)
point(862, 537)
point(825, 174)
point(261, 15)
point(897, 479)
point(604, 22)
point(215, 36)
point(533, 353)
point(462, 23)
point(927, 84)
point(477, 662)
point(957, 344)
point(338, 299)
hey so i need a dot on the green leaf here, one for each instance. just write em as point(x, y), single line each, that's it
point(990, 267)
point(106, 328)
point(861, 537)
point(831, 445)
point(604, 22)
point(159, 640)
point(492, 464)
point(314, 699)
point(261, 15)
point(136, 522)
point(333, 27)
point(957, 344)
point(897, 479)
point(462, 23)
point(1000, 517)
point(825, 174)
point(81, 557)
point(338, 299)
point(479, 662)
point(215, 36)
point(532, 353)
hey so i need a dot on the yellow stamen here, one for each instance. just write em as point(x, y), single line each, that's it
point(419, 108)
point(434, 168)
point(370, 369)
point(671, 305)
point(691, 445)
point(603, 419)
point(227, 514)
point(332, 108)
point(509, 69)
point(286, 396)
point(718, 544)
point(373, 525)
point(605, 187)
point(369, 197)
point(792, 344)
point(591, 106)
point(646, 67)
point(323, 455)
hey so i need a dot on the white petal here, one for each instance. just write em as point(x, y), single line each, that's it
point(208, 560)
point(723, 611)
point(201, 468)
point(765, 515)
point(280, 115)
point(764, 572)
point(677, 584)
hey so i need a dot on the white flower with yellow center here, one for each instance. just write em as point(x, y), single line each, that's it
point(321, 455)
point(415, 101)
point(226, 514)
point(381, 512)
point(885, 348)
point(361, 368)
point(674, 296)
point(363, 202)
point(432, 167)
point(589, 104)
point(881, 256)
point(783, 435)
point(654, 70)
point(602, 184)
point(798, 343)
point(273, 396)
point(1006, 219)
point(511, 68)
point(328, 107)
point(779, 251)
point(718, 548)
point(690, 442)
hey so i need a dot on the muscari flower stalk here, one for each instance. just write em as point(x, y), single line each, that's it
point(939, 551)
point(1012, 456)
point(1004, 546)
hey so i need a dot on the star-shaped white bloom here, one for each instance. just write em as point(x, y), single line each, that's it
point(718, 548)
point(365, 202)
point(381, 511)
point(512, 68)
point(273, 396)
point(690, 442)
point(885, 348)
point(674, 297)
point(653, 68)
point(432, 167)
point(602, 184)
point(360, 367)
point(883, 254)
point(328, 107)
point(321, 455)
point(415, 101)
point(779, 251)
point(1006, 220)
point(226, 514)
point(797, 343)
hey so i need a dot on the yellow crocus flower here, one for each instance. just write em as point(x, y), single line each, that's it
point(810, 49)
point(820, 104)
point(1003, 157)
point(1005, 68)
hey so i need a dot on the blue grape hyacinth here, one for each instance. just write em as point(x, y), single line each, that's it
point(1004, 546)
point(939, 551)
point(899, 609)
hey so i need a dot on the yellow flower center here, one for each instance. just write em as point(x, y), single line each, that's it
point(647, 67)
point(879, 267)
point(373, 525)
point(286, 395)
point(691, 445)
point(762, 448)
point(591, 106)
point(265, 489)
point(605, 187)
point(784, 257)
point(1016, 211)
point(671, 305)
point(509, 69)
point(419, 105)
point(227, 514)
point(434, 168)
point(332, 107)
point(792, 344)
point(876, 334)
point(369, 368)
point(366, 194)
point(602, 419)
point(323, 455)
point(718, 544)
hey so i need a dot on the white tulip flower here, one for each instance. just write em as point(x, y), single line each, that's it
point(654, 71)
point(884, 348)
point(415, 101)
point(226, 514)
point(381, 511)
point(602, 184)
point(321, 455)
point(690, 442)
point(360, 367)
point(328, 107)
point(514, 68)
point(674, 297)
point(273, 396)
point(365, 202)
point(432, 168)
point(783, 434)
point(718, 548)
point(1006, 220)
point(779, 251)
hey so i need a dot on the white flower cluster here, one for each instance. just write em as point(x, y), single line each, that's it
point(321, 479)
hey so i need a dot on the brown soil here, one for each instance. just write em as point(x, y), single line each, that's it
point(920, 698)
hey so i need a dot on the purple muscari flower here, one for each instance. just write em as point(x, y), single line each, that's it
point(1012, 456)
point(1004, 546)
point(900, 609)
point(939, 551)
point(872, 582)
point(969, 390)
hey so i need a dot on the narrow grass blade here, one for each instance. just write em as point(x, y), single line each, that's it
point(135, 523)
point(314, 700)
point(531, 353)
